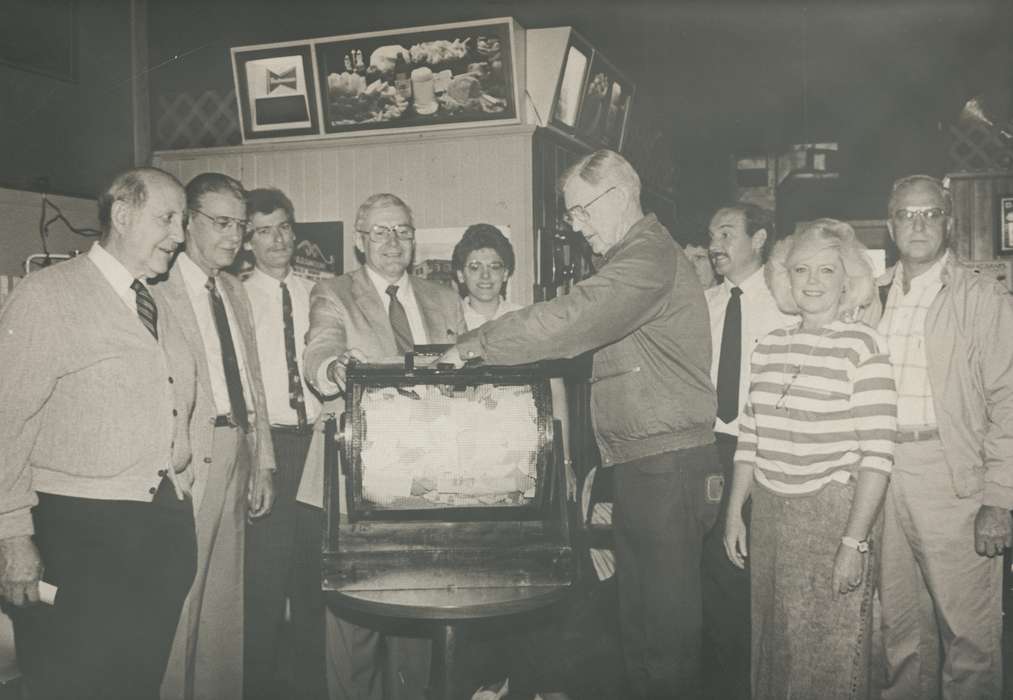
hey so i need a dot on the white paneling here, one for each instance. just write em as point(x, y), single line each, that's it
point(450, 179)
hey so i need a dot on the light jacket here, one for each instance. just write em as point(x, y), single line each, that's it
point(644, 315)
point(969, 350)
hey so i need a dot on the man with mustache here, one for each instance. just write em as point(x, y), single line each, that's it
point(283, 549)
point(233, 452)
point(95, 455)
point(742, 311)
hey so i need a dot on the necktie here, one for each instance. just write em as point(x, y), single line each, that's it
point(295, 395)
point(230, 363)
point(399, 322)
point(729, 365)
point(146, 309)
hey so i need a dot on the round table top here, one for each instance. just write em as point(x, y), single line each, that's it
point(450, 603)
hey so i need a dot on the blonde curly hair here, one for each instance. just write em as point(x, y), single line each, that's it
point(809, 238)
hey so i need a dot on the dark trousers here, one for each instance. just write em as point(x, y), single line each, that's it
point(660, 517)
point(726, 644)
point(283, 561)
point(122, 569)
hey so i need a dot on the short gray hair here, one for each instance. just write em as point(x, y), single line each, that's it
point(383, 199)
point(904, 182)
point(860, 287)
point(130, 187)
point(603, 167)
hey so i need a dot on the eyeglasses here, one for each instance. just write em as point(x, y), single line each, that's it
point(926, 215)
point(284, 228)
point(580, 211)
point(475, 267)
point(380, 233)
point(223, 223)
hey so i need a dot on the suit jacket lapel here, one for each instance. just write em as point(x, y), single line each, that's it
point(174, 290)
point(433, 316)
point(372, 308)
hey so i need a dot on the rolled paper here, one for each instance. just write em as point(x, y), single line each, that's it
point(47, 593)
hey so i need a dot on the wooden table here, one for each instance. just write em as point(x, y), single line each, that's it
point(446, 608)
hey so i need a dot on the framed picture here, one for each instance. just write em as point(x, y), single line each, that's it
point(41, 37)
point(605, 104)
point(571, 82)
point(426, 77)
point(1005, 237)
point(276, 90)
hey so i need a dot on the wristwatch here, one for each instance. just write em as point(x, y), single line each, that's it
point(861, 545)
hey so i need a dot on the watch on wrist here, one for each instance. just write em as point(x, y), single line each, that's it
point(860, 545)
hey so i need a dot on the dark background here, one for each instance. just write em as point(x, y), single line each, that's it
point(883, 79)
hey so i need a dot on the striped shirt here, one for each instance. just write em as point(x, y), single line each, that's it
point(822, 405)
point(903, 326)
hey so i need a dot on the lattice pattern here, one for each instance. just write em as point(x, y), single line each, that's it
point(977, 147)
point(209, 120)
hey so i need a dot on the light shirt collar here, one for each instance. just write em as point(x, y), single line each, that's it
point(404, 286)
point(113, 270)
point(934, 275)
point(752, 284)
point(193, 275)
point(266, 281)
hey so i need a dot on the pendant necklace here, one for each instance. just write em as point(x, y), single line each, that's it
point(783, 399)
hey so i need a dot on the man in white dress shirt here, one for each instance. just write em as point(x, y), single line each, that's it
point(282, 549)
point(742, 311)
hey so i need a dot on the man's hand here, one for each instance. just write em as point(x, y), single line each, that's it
point(261, 493)
point(452, 357)
point(993, 530)
point(20, 570)
point(336, 370)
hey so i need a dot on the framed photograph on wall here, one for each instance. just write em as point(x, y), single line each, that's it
point(571, 82)
point(605, 104)
point(276, 90)
point(1005, 232)
point(425, 77)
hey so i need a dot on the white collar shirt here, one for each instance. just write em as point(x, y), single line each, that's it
point(269, 323)
point(760, 316)
point(406, 295)
point(118, 276)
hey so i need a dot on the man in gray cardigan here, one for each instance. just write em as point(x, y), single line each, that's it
point(97, 392)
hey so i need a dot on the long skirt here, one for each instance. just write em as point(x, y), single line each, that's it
point(808, 641)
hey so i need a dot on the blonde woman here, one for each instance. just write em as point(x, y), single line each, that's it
point(816, 439)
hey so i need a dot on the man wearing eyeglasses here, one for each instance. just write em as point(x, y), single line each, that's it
point(947, 512)
point(233, 451)
point(653, 406)
point(283, 549)
point(376, 312)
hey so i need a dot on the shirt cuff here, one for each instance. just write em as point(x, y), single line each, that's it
point(324, 383)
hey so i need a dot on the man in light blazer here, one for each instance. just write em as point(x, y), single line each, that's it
point(378, 311)
point(233, 452)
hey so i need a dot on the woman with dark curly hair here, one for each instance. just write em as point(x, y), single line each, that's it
point(482, 262)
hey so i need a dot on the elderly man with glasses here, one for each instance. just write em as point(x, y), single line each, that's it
point(233, 454)
point(947, 512)
point(653, 405)
point(378, 311)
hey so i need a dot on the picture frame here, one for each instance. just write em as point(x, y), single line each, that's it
point(605, 104)
point(276, 91)
point(1004, 236)
point(41, 38)
point(570, 87)
point(439, 76)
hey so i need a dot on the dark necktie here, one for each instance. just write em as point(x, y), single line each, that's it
point(295, 396)
point(230, 362)
point(730, 363)
point(146, 309)
point(399, 322)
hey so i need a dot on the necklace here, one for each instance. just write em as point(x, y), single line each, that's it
point(783, 398)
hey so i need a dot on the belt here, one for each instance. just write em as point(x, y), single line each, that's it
point(918, 435)
point(293, 429)
point(225, 421)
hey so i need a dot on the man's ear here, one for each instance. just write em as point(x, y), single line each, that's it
point(358, 243)
point(759, 238)
point(121, 215)
point(247, 247)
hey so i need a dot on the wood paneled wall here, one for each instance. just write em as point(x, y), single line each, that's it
point(976, 220)
point(448, 178)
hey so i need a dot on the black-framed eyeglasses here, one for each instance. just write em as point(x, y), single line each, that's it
point(223, 223)
point(926, 215)
point(285, 228)
point(380, 233)
point(579, 211)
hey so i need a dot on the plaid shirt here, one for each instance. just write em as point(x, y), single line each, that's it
point(903, 325)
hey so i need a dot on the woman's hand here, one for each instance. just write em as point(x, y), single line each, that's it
point(849, 569)
point(735, 538)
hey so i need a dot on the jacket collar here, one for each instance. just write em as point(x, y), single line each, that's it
point(951, 267)
point(646, 223)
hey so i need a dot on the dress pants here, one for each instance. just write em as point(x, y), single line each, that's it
point(122, 569)
point(277, 568)
point(941, 600)
point(660, 517)
point(726, 617)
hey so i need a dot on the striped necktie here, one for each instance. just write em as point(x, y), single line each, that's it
point(295, 396)
point(399, 322)
point(146, 309)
